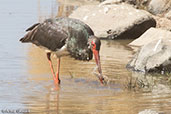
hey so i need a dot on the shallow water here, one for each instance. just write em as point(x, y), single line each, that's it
point(26, 83)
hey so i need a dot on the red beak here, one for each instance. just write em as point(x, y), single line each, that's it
point(97, 59)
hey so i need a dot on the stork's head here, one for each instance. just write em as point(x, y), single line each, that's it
point(94, 45)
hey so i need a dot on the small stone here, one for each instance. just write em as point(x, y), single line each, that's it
point(85, 18)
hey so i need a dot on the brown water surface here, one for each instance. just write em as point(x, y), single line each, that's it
point(26, 81)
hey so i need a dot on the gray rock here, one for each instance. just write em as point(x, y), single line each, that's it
point(163, 23)
point(168, 15)
point(151, 35)
point(159, 6)
point(132, 2)
point(110, 2)
point(153, 57)
point(120, 21)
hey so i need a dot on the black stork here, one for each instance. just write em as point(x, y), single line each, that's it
point(65, 36)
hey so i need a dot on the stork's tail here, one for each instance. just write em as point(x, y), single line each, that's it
point(23, 40)
point(30, 35)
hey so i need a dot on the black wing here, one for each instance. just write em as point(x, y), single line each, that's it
point(47, 34)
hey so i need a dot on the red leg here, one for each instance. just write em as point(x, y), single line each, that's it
point(51, 67)
point(58, 69)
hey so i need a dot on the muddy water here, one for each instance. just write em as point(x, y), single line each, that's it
point(26, 83)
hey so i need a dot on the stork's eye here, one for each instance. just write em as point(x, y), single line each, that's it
point(93, 45)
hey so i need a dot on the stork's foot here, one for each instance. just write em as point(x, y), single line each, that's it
point(57, 81)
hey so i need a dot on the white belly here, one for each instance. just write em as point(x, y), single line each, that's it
point(59, 53)
point(62, 52)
